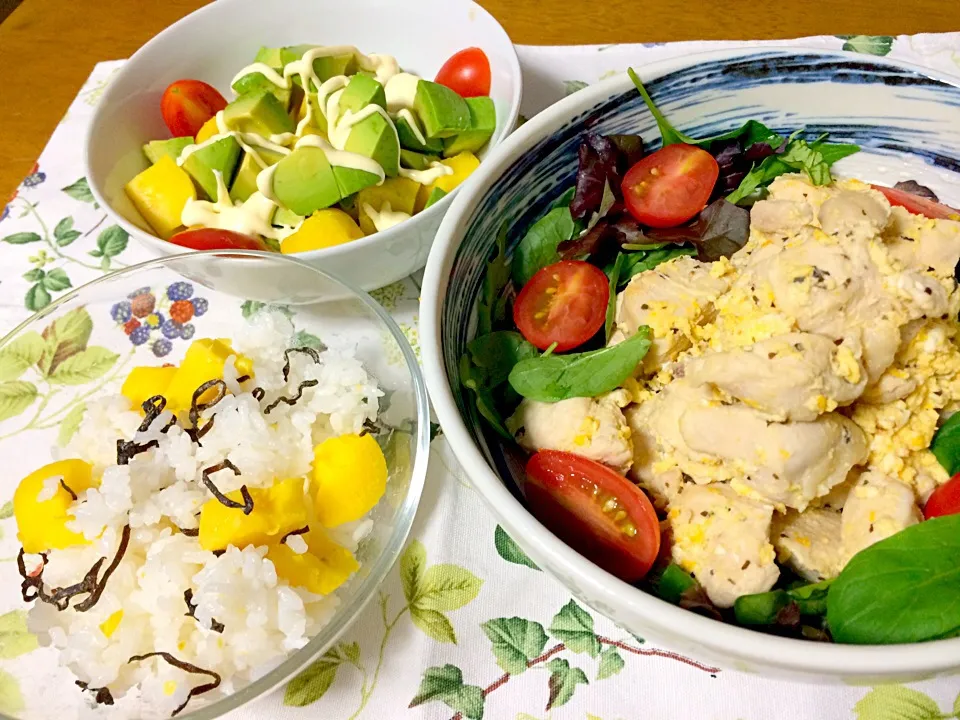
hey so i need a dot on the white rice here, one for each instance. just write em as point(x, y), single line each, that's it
point(264, 618)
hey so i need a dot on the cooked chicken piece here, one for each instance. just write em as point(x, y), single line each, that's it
point(808, 542)
point(893, 385)
point(788, 464)
point(796, 376)
point(661, 486)
point(723, 539)
point(859, 214)
point(670, 299)
point(592, 427)
point(877, 508)
point(920, 243)
point(837, 497)
point(797, 187)
point(921, 295)
point(780, 216)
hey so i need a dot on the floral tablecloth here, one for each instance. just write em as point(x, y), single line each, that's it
point(466, 625)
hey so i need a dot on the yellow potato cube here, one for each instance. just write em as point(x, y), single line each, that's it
point(321, 570)
point(349, 478)
point(207, 130)
point(144, 382)
point(400, 192)
point(42, 524)
point(203, 361)
point(160, 193)
point(463, 166)
point(277, 510)
point(325, 228)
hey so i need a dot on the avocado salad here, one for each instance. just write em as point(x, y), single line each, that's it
point(725, 391)
point(322, 145)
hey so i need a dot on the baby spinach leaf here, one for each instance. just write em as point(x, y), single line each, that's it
point(946, 445)
point(668, 132)
point(474, 379)
point(492, 306)
point(903, 589)
point(614, 276)
point(538, 248)
point(559, 377)
point(768, 608)
point(498, 352)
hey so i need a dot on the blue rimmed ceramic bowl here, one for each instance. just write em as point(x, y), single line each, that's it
point(907, 122)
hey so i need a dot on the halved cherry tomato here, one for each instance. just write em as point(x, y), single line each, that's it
point(213, 239)
point(187, 104)
point(945, 500)
point(564, 303)
point(670, 186)
point(918, 205)
point(467, 73)
point(597, 512)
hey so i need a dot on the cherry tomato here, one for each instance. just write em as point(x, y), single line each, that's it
point(670, 186)
point(945, 500)
point(187, 104)
point(597, 512)
point(213, 239)
point(467, 73)
point(918, 205)
point(563, 303)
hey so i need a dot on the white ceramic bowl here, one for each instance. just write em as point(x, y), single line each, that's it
point(213, 43)
point(905, 121)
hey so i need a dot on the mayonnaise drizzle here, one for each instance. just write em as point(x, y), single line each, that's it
point(414, 125)
point(342, 158)
point(251, 218)
point(385, 218)
point(436, 171)
point(401, 91)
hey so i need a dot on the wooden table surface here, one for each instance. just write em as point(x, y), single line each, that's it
point(49, 47)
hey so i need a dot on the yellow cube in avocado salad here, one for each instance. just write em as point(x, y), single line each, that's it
point(325, 134)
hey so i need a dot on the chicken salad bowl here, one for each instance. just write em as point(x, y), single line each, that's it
point(694, 338)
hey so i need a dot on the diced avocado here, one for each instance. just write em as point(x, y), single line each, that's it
point(260, 113)
point(269, 56)
point(245, 183)
point(409, 140)
point(351, 180)
point(374, 137)
point(324, 67)
point(256, 82)
point(156, 149)
point(361, 91)
point(304, 181)
point(436, 195)
point(483, 121)
point(222, 155)
point(442, 112)
point(286, 217)
point(415, 160)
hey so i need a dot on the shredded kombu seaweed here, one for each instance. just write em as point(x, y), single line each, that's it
point(242, 379)
point(67, 488)
point(127, 450)
point(102, 695)
point(291, 400)
point(90, 585)
point(298, 531)
point(289, 351)
point(246, 505)
point(186, 667)
point(196, 407)
point(371, 427)
point(215, 625)
point(259, 392)
point(189, 532)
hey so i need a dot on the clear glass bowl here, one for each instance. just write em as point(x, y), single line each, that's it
point(80, 347)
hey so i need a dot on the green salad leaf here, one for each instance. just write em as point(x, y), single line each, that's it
point(903, 589)
point(614, 275)
point(638, 262)
point(475, 379)
point(946, 445)
point(765, 608)
point(538, 248)
point(492, 306)
point(498, 352)
point(552, 378)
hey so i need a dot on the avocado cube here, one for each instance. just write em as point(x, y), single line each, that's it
point(156, 149)
point(442, 112)
point(483, 122)
point(257, 82)
point(407, 129)
point(222, 155)
point(245, 182)
point(286, 218)
point(260, 112)
point(436, 195)
point(324, 67)
point(361, 91)
point(304, 181)
point(351, 181)
point(415, 160)
point(374, 137)
point(269, 56)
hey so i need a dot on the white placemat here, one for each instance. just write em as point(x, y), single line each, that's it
point(426, 651)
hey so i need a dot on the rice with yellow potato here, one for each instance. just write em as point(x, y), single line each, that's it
point(197, 527)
